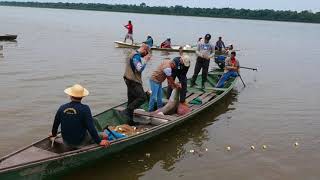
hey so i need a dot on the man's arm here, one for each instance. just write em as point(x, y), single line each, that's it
point(56, 123)
point(171, 83)
point(138, 64)
point(198, 50)
point(211, 52)
point(90, 126)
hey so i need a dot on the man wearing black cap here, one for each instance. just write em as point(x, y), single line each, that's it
point(205, 51)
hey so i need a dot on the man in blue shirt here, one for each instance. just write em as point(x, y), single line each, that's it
point(133, 80)
point(76, 120)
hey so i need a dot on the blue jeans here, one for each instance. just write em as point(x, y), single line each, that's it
point(225, 77)
point(156, 95)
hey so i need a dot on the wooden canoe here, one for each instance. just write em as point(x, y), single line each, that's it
point(174, 48)
point(40, 160)
point(8, 37)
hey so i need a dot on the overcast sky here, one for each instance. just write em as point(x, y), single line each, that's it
point(297, 5)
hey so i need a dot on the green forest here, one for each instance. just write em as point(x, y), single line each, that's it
point(266, 14)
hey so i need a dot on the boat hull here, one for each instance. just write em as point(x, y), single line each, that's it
point(44, 168)
point(8, 37)
point(156, 48)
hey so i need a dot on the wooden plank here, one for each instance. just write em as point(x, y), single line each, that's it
point(31, 154)
point(206, 99)
point(195, 95)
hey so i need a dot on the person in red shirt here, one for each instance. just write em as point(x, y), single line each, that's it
point(129, 26)
point(231, 69)
point(166, 43)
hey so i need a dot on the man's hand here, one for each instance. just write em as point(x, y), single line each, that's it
point(104, 136)
point(147, 57)
point(178, 85)
point(50, 135)
point(104, 143)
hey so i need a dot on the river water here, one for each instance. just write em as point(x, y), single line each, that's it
point(279, 106)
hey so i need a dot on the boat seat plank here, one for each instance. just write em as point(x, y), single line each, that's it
point(193, 96)
point(31, 154)
point(204, 101)
point(203, 96)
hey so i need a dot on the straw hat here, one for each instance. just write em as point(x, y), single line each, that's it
point(77, 91)
point(186, 60)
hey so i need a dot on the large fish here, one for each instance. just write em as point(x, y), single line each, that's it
point(172, 105)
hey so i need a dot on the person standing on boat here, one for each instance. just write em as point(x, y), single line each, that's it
point(220, 44)
point(166, 43)
point(182, 64)
point(76, 121)
point(232, 67)
point(149, 41)
point(133, 80)
point(163, 72)
point(205, 51)
point(129, 26)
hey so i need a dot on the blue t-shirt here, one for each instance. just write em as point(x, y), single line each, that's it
point(75, 119)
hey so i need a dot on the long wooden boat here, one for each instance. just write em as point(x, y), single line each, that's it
point(40, 159)
point(175, 48)
point(8, 37)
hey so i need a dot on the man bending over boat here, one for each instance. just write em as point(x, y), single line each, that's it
point(133, 80)
point(129, 26)
point(231, 69)
point(163, 72)
point(205, 51)
point(182, 64)
point(76, 121)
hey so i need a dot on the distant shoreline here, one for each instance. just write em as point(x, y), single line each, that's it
point(271, 15)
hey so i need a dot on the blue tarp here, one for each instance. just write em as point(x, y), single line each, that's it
point(111, 137)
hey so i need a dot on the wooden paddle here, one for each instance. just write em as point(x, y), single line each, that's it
point(242, 81)
point(254, 69)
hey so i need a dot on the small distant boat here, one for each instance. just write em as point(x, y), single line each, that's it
point(175, 48)
point(8, 37)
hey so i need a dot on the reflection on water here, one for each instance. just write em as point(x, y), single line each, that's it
point(166, 150)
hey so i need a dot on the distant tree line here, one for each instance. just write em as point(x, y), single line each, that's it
point(266, 14)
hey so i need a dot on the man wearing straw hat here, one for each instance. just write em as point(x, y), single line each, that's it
point(76, 120)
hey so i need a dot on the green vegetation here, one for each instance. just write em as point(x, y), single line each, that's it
point(294, 16)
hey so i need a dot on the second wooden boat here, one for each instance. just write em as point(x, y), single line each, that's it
point(8, 37)
point(175, 48)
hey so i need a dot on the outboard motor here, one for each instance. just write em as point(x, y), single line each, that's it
point(220, 60)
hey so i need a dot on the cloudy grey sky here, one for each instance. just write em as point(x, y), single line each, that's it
point(297, 5)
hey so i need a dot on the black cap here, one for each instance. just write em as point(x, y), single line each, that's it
point(207, 36)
